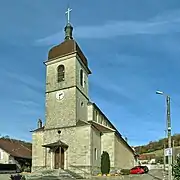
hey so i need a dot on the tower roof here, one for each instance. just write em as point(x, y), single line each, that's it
point(68, 46)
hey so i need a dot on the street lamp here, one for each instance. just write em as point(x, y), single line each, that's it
point(169, 133)
point(160, 92)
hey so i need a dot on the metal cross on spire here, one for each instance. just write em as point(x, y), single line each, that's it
point(68, 14)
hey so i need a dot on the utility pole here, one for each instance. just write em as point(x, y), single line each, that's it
point(169, 138)
point(173, 153)
point(164, 157)
point(165, 135)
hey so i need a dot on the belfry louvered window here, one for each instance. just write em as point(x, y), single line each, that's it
point(60, 73)
point(81, 77)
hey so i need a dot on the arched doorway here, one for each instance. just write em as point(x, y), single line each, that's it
point(59, 158)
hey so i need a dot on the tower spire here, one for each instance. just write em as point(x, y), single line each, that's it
point(68, 28)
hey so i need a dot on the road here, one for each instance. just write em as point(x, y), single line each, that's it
point(153, 174)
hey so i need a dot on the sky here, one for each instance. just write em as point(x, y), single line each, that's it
point(133, 49)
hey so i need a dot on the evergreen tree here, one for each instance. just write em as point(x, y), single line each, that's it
point(176, 169)
point(105, 163)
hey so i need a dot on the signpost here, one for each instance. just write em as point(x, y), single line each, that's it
point(168, 152)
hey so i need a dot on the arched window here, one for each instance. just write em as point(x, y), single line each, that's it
point(60, 73)
point(81, 77)
point(95, 154)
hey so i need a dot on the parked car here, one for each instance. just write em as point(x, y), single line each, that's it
point(137, 170)
point(146, 169)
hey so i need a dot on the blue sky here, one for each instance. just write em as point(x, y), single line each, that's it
point(133, 49)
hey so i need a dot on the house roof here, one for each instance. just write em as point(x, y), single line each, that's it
point(146, 156)
point(15, 148)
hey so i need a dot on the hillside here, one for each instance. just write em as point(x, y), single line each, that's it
point(157, 146)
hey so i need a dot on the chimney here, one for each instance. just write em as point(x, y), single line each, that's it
point(126, 139)
point(39, 123)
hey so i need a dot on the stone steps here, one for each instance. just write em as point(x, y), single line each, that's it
point(50, 174)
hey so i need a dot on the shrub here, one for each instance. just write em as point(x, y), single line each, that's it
point(105, 163)
point(176, 169)
point(23, 178)
point(125, 171)
point(27, 169)
point(17, 177)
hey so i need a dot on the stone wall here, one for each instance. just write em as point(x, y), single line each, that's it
point(124, 157)
point(90, 112)
point(78, 141)
point(70, 73)
point(108, 144)
point(73, 107)
point(37, 151)
point(96, 151)
point(120, 155)
point(81, 106)
point(61, 113)
point(85, 86)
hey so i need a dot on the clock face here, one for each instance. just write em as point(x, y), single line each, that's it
point(60, 95)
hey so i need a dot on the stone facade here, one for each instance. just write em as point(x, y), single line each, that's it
point(76, 132)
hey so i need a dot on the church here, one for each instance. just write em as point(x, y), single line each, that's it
point(76, 131)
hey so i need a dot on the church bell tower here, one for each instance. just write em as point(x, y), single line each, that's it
point(66, 83)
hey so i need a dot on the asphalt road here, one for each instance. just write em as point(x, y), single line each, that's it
point(152, 175)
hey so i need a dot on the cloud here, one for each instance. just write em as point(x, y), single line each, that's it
point(109, 92)
point(28, 107)
point(168, 22)
point(26, 103)
point(25, 79)
point(23, 91)
point(17, 79)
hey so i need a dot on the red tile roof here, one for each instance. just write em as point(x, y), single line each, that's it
point(15, 148)
point(146, 156)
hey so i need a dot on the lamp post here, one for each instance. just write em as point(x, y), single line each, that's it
point(168, 116)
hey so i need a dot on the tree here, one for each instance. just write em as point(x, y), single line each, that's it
point(105, 163)
point(176, 169)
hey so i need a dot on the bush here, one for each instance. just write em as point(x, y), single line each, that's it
point(27, 169)
point(176, 169)
point(125, 171)
point(17, 177)
point(153, 163)
point(105, 163)
point(159, 159)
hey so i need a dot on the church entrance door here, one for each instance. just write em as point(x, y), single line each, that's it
point(59, 158)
